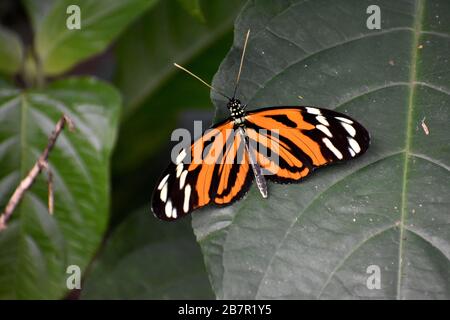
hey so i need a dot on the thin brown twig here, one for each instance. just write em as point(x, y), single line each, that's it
point(51, 198)
point(41, 163)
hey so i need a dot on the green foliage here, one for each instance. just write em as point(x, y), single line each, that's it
point(59, 48)
point(194, 8)
point(149, 259)
point(141, 152)
point(148, 95)
point(36, 248)
point(156, 253)
point(310, 240)
point(390, 207)
point(11, 52)
point(178, 37)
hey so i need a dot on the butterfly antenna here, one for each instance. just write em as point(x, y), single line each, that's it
point(242, 62)
point(201, 80)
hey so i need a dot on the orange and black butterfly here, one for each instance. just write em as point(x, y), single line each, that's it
point(279, 144)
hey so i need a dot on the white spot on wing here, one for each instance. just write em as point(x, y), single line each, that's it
point(332, 148)
point(324, 130)
point(163, 182)
point(174, 213)
point(179, 169)
point(183, 179)
point(181, 156)
point(355, 146)
point(163, 194)
point(187, 196)
point(168, 209)
point(345, 120)
point(322, 120)
point(351, 131)
point(352, 153)
point(313, 110)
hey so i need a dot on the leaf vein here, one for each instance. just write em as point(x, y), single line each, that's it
point(297, 217)
point(423, 237)
point(347, 256)
point(430, 159)
point(336, 45)
point(413, 75)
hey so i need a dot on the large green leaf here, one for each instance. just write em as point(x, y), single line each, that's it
point(60, 48)
point(148, 259)
point(11, 51)
point(390, 207)
point(36, 248)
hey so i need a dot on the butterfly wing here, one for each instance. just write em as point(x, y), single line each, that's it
point(214, 168)
point(303, 138)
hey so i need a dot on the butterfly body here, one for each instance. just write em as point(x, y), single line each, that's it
point(237, 111)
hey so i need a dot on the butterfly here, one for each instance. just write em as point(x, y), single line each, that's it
point(283, 144)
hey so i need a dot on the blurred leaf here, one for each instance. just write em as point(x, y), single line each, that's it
point(60, 48)
point(144, 73)
point(36, 248)
point(5, 83)
point(38, 10)
point(11, 51)
point(194, 8)
point(148, 259)
point(164, 35)
point(389, 208)
point(150, 126)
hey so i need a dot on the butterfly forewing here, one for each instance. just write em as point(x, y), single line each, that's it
point(305, 138)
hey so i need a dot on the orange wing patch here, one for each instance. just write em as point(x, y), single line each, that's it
point(233, 165)
point(207, 160)
point(295, 134)
point(295, 169)
point(222, 176)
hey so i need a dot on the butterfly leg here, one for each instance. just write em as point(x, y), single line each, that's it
point(259, 176)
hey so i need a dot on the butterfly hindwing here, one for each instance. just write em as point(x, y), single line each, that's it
point(304, 138)
point(210, 170)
